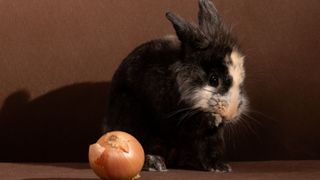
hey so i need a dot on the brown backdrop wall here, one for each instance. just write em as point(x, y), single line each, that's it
point(57, 57)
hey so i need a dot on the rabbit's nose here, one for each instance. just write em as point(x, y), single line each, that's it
point(228, 116)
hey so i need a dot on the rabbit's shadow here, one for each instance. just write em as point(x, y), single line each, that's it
point(55, 127)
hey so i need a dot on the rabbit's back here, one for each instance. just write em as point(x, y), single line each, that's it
point(143, 89)
point(149, 58)
point(146, 71)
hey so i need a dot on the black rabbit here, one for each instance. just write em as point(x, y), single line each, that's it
point(176, 94)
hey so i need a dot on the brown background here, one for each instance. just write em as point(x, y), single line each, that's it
point(57, 57)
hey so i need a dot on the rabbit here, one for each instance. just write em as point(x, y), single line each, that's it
point(177, 93)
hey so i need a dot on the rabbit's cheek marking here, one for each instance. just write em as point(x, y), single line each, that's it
point(236, 71)
point(202, 96)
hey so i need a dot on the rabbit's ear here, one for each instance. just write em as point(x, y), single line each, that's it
point(208, 17)
point(189, 34)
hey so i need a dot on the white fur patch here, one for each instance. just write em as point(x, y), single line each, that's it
point(202, 95)
point(236, 71)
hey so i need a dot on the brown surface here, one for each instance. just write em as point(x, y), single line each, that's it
point(245, 170)
point(48, 47)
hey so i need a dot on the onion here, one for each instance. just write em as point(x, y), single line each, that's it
point(116, 156)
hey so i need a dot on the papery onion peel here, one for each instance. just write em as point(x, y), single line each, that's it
point(116, 155)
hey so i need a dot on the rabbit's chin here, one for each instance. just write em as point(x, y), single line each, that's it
point(219, 119)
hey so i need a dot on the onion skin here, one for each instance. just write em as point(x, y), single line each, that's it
point(116, 155)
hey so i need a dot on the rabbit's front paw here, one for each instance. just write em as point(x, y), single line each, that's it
point(154, 163)
point(221, 167)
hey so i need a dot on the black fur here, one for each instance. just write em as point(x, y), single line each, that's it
point(145, 96)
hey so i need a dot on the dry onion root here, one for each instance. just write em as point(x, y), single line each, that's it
point(116, 156)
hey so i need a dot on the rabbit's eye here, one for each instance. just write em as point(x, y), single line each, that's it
point(214, 80)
